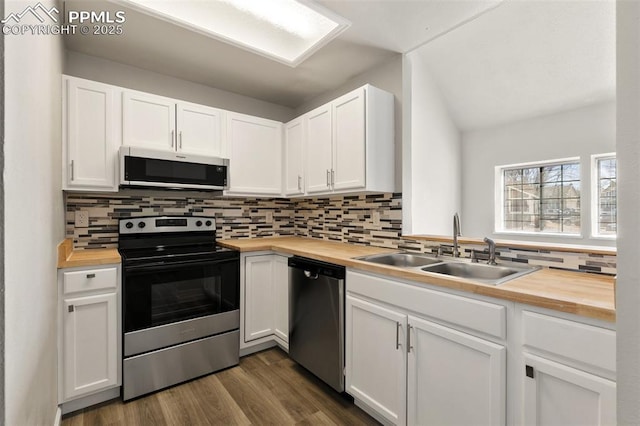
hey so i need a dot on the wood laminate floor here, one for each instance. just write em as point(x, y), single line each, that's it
point(266, 388)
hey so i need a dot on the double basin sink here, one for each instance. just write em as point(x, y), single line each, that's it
point(461, 268)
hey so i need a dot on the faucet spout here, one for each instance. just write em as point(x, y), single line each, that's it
point(492, 251)
point(456, 234)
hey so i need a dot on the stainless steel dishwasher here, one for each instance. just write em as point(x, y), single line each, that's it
point(316, 319)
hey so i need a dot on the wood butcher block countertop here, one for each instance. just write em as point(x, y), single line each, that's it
point(70, 258)
point(589, 295)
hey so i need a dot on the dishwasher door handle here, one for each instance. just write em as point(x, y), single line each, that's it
point(311, 276)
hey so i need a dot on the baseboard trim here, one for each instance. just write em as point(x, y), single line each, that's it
point(58, 420)
point(257, 348)
point(87, 401)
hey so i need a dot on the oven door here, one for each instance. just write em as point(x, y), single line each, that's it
point(166, 303)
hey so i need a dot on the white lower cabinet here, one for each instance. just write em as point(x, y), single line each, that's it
point(265, 300)
point(90, 338)
point(568, 370)
point(454, 377)
point(558, 395)
point(376, 358)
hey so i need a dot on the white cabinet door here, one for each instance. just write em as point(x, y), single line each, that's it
point(148, 121)
point(281, 300)
point(454, 378)
point(199, 130)
point(91, 143)
point(349, 155)
point(255, 153)
point(90, 344)
point(294, 136)
point(375, 358)
point(558, 395)
point(318, 150)
point(259, 297)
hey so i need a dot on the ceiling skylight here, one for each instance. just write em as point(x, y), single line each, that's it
point(288, 31)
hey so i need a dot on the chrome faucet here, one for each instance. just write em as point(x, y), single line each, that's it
point(456, 234)
point(492, 251)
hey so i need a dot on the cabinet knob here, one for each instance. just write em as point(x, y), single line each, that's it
point(71, 309)
point(91, 275)
point(529, 371)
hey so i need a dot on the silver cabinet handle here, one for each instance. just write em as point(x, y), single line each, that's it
point(72, 170)
point(409, 347)
point(91, 275)
point(398, 335)
point(180, 139)
point(71, 309)
point(328, 178)
point(172, 135)
point(299, 183)
point(333, 177)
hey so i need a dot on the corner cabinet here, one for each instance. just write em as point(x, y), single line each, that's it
point(264, 291)
point(350, 143)
point(428, 369)
point(294, 141)
point(255, 155)
point(91, 139)
point(90, 337)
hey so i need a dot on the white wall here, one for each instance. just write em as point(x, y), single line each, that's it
point(628, 148)
point(34, 222)
point(576, 133)
point(105, 71)
point(387, 76)
point(431, 156)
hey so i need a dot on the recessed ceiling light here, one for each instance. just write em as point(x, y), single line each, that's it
point(288, 31)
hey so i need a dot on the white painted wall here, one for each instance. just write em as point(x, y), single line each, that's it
point(387, 76)
point(628, 147)
point(576, 133)
point(431, 155)
point(34, 222)
point(105, 71)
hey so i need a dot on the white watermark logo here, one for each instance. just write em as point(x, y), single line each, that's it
point(84, 22)
point(33, 10)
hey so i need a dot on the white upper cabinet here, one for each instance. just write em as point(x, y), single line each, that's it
point(294, 136)
point(148, 121)
point(199, 130)
point(350, 143)
point(255, 155)
point(151, 121)
point(318, 149)
point(90, 135)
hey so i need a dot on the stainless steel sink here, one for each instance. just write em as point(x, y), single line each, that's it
point(401, 260)
point(487, 274)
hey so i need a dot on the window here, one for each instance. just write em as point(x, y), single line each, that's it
point(542, 198)
point(605, 195)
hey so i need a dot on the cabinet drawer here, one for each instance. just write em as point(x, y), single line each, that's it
point(586, 344)
point(90, 279)
point(469, 314)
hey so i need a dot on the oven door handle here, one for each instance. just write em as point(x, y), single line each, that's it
point(160, 265)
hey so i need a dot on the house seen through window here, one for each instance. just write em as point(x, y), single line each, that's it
point(542, 198)
point(606, 189)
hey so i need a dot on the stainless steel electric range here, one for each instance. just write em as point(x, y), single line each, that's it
point(180, 302)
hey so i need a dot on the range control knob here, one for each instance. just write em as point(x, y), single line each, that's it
point(208, 223)
point(128, 225)
point(199, 223)
point(141, 225)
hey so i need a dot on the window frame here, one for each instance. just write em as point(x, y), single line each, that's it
point(595, 196)
point(499, 212)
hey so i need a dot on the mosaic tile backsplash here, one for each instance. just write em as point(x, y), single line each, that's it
point(371, 219)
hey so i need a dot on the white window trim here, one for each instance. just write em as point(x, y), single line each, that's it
point(595, 201)
point(499, 198)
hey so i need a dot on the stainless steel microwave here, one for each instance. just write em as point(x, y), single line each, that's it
point(141, 167)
